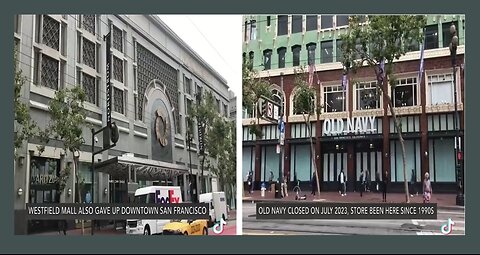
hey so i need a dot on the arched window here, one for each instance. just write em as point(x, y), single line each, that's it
point(295, 109)
point(278, 95)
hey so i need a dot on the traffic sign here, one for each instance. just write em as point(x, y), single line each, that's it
point(281, 125)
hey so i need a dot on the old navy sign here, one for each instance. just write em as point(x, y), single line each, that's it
point(353, 125)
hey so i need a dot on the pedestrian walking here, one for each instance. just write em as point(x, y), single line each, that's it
point(377, 182)
point(385, 184)
point(367, 180)
point(250, 181)
point(342, 183)
point(413, 182)
point(362, 183)
point(313, 183)
point(427, 189)
point(270, 181)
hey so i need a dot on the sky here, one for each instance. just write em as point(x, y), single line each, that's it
point(217, 39)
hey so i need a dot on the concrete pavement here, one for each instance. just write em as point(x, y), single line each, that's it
point(252, 226)
point(444, 201)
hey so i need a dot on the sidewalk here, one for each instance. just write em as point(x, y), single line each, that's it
point(443, 201)
point(109, 230)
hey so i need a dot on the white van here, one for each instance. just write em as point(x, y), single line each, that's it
point(150, 195)
point(218, 206)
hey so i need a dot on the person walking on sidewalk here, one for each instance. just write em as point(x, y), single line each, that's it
point(384, 188)
point(427, 189)
point(342, 180)
point(250, 181)
point(367, 180)
point(313, 182)
point(362, 183)
point(413, 182)
point(270, 181)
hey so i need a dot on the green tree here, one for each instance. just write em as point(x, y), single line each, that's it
point(68, 117)
point(204, 112)
point(304, 103)
point(221, 147)
point(253, 88)
point(25, 127)
point(382, 39)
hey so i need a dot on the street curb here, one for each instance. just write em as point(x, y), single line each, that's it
point(443, 207)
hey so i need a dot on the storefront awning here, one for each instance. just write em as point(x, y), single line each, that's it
point(125, 167)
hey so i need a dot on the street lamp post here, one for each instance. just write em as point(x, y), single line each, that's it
point(458, 149)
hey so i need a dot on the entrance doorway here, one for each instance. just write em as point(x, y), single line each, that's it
point(367, 158)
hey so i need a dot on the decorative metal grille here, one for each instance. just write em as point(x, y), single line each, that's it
point(117, 69)
point(51, 32)
point(117, 38)
point(49, 72)
point(118, 100)
point(89, 88)
point(89, 53)
point(151, 67)
point(89, 23)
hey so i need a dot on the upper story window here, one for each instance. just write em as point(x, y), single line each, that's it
point(89, 85)
point(253, 30)
point(297, 24)
point(50, 32)
point(447, 36)
point(326, 48)
point(282, 25)
point(277, 96)
point(89, 53)
point(118, 100)
point(326, 21)
point(431, 37)
point(281, 57)
point(440, 87)
point(405, 92)
point(117, 42)
point(245, 31)
point(311, 47)
point(296, 110)
point(225, 110)
point(251, 55)
point(339, 52)
point(269, 22)
point(117, 69)
point(187, 83)
point(48, 68)
point(334, 98)
point(296, 54)
point(366, 96)
point(342, 20)
point(267, 59)
point(88, 23)
point(312, 21)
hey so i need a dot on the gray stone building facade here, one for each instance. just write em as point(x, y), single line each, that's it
point(155, 77)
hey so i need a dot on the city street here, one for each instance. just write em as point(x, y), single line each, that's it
point(252, 226)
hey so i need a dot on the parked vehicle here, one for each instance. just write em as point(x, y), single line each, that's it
point(218, 206)
point(150, 195)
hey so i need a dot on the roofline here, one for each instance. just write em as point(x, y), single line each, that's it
point(185, 46)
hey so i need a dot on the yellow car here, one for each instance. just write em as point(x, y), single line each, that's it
point(196, 227)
